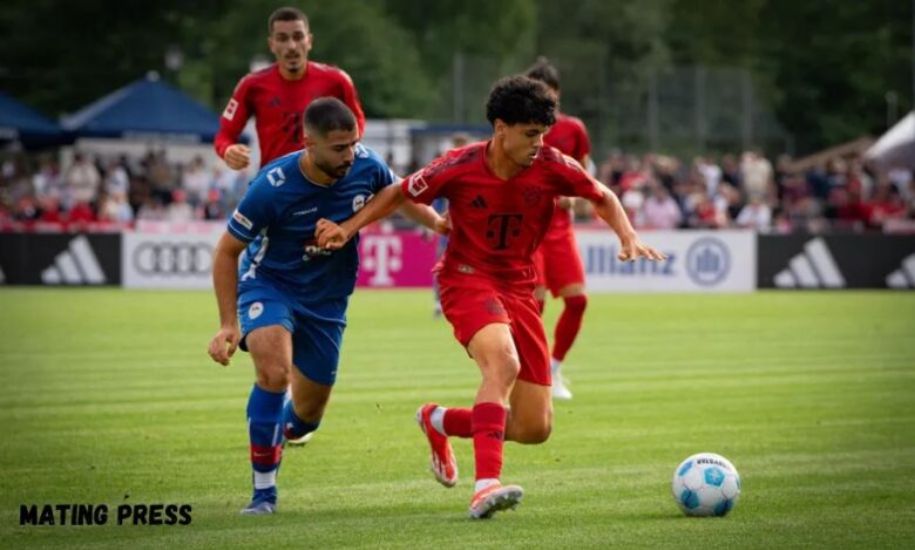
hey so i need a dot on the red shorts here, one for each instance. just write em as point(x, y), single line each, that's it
point(469, 309)
point(557, 260)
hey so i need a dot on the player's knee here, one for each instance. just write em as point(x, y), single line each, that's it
point(534, 433)
point(502, 368)
point(576, 304)
point(273, 377)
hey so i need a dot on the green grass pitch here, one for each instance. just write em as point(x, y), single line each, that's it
point(107, 396)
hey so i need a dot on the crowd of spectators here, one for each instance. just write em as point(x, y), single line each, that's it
point(659, 192)
point(37, 191)
point(748, 191)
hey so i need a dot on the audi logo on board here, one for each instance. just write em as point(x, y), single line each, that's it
point(180, 259)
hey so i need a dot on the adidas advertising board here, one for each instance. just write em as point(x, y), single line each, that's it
point(60, 259)
point(170, 259)
point(837, 261)
point(697, 261)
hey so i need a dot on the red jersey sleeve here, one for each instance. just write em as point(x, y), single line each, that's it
point(429, 182)
point(234, 117)
point(351, 98)
point(571, 179)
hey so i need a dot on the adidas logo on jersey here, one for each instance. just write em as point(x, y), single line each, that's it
point(904, 277)
point(478, 202)
point(812, 268)
point(77, 265)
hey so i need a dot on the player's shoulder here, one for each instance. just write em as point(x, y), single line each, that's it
point(256, 77)
point(367, 156)
point(572, 123)
point(327, 70)
point(552, 159)
point(277, 172)
point(456, 160)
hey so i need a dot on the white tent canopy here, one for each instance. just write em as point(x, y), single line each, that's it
point(895, 148)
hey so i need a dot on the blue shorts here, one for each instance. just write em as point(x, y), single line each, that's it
point(316, 328)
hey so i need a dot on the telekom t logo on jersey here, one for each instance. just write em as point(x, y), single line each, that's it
point(382, 256)
point(502, 226)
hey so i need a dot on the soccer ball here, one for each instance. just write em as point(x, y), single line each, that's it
point(706, 484)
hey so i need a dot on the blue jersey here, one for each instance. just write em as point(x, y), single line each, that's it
point(277, 217)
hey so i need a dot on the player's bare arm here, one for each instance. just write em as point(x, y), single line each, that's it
point(426, 216)
point(611, 211)
point(225, 281)
point(332, 236)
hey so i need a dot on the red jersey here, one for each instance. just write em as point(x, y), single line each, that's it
point(569, 136)
point(277, 105)
point(497, 224)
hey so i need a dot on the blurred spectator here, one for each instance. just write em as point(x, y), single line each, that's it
point(82, 180)
point(887, 204)
point(660, 211)
point(755, 215)
point(213, 209)
point(116, 178)
point(196, 182)
point(756, 173)
point(179, 210)
point(114, 208)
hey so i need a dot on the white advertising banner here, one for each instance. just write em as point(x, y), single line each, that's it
point(170, 258)
point(697, 261)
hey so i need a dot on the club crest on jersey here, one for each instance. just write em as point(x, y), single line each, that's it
point(229, 112)
point(531, 195)
point(417, 185)
point(276, 177)
point(255, 310)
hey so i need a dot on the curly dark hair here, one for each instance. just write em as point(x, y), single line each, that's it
point(521, 100)
point(545, 72)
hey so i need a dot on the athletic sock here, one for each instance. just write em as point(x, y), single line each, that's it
point(484, 483)
point(293, 426)
point(568, 325)
point(453, 421)
point(488, 437)
point(265, 410)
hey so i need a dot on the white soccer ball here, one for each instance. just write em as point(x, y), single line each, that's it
point(706, 484)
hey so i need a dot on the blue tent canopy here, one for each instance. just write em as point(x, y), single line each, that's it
point(147, 107)
point(19, 122)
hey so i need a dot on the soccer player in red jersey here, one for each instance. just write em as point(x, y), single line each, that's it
point(278, 95)
point(501, 195)
point(559, 265)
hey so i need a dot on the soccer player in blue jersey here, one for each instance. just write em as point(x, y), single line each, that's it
point(289, 295)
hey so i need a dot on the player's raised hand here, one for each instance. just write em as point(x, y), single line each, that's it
point(224, 344)
point(329, 235)
point(237, 156)
point(633, 249)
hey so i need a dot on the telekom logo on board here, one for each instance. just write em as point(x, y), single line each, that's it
point(381, 257)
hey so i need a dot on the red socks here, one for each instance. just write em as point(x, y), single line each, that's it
point(458, 422)
point(488, 436)
point(568, 325)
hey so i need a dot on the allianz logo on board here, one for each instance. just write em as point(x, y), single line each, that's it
point(707, 262)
